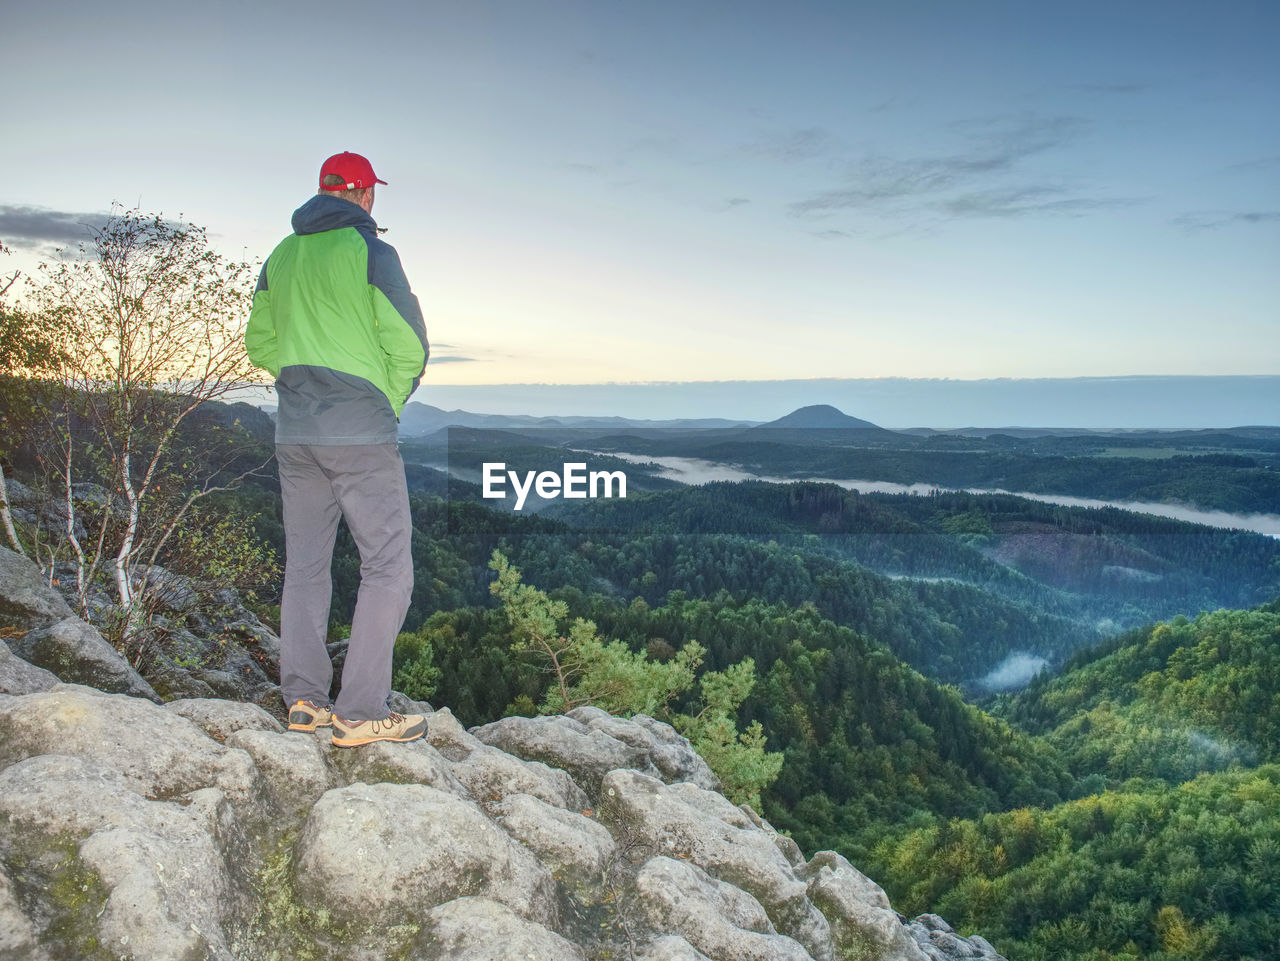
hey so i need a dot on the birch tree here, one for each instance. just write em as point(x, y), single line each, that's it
point(149, 323)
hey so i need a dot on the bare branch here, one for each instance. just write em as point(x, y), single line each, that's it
point(149, 324)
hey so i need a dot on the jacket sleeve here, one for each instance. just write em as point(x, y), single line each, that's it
point(402, 333)
point(260, 334)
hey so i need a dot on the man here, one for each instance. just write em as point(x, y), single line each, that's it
point(336, 324)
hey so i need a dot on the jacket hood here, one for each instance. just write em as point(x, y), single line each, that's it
point(322, 213)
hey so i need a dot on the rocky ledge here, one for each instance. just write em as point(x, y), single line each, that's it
point(201, 829)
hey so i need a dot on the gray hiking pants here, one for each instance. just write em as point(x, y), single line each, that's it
point(366, 485)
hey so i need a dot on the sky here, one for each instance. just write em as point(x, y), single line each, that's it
point(702, 191)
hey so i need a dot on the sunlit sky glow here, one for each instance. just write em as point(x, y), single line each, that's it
point(587, 192)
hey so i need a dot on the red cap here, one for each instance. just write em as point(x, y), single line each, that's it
point(356, 172)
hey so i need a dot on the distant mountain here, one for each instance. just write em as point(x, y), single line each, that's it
point(420, 419)
point(818, 417)
point(259, 422)
point(1106, 402)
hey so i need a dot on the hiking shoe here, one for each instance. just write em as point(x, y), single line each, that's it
point(305, 716)
point(396, 727)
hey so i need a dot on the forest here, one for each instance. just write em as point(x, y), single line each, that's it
point(1230, 470)
point(1174, 852)
point(1056, 815)
point(1124, 803)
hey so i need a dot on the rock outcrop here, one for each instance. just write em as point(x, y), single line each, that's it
point(214, 648)
point(202, 829)
point(41, 628)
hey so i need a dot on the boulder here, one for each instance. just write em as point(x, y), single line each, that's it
point(160, 754)
point(220, 719)
point(292, 765)
point(937, 941)
point(246, 637)
point(481, 929)
point(384, 762)
point(176, 593)
point(183, 664)
point(863, 924)
point(380, 854)
point(19, 677)
point(450, 738)
point(705, 828)
point(670, 947)
point(790, 850)
point(666, 749)
point(147, 878)
point(260, 641)
point(26, 599)
point(832, 873)
point(75, 651)
point(29, 507)
point(984, 948)
point(18, 936)
point(575, 848)
point(565, 743)
point(490, 774)
point(724, 923)
point(402, 704)
point(173, 681)
point(931, 922)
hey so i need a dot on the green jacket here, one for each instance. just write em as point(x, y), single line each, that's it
point(335, 322)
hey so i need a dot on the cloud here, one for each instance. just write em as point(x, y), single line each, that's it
point(793, 146)
point(971, 182)
point(1261, 165)
point(1015, 671)
point(1000, 141)
point(1213, 220)
point(452, 359)
point(1021, 201)
point(886, 105)
point(32, 228)
point(1112, 88)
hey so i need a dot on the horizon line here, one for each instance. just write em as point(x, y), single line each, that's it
point(887, 377)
